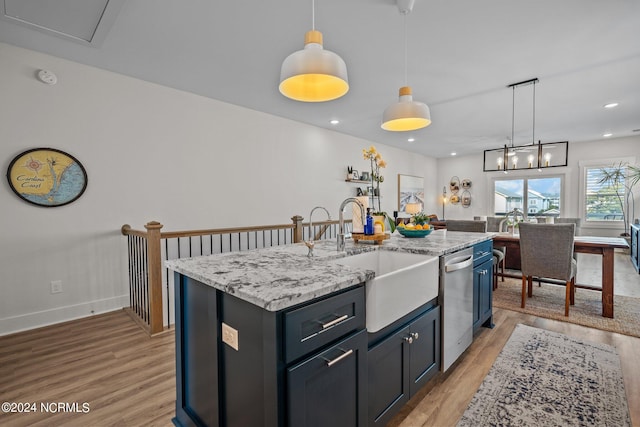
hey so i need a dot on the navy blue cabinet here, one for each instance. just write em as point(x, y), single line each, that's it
point(483, 285)
point(300, 367)
point(330, 388)
point(402, 362)
point(197, 360)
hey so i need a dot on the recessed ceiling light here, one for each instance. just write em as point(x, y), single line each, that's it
point(411, 139)
point(334, 121)
point(611, 105)
point(607, 135)
point(454, 153)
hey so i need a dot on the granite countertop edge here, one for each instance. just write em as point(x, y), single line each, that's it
point(280, 277)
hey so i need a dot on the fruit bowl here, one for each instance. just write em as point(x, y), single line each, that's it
point(407, 232)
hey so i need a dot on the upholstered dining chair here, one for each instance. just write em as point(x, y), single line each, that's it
point(472, 226)
point(546, 250)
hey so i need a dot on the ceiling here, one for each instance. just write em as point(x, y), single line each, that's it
point(462, 55)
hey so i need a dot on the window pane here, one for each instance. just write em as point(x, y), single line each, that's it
point(604, 196)
point(543, 196)
point(509, 194)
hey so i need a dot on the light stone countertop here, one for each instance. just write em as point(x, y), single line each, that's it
point(279, 277)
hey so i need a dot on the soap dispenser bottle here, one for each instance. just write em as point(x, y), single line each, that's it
point(368, 227)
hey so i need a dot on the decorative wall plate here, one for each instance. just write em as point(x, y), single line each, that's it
point(466, 199)
point(454, 185)
point(466, 184)
point(454, 199)
point(47, 177)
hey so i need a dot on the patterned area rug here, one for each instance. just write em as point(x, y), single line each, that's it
point(548, 301)
point(544, 378)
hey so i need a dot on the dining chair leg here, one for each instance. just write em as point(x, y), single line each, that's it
point(502, 267)
point(567, 298)
point(530, 292)
point(494, 278)
point(524, 291)
point(573, 291)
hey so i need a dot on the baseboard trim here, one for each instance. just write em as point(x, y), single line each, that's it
point(38, 319)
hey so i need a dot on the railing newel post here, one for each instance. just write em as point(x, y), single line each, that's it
point(297, 228)
point(154, 265)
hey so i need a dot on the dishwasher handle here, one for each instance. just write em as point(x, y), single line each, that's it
point(458, 264)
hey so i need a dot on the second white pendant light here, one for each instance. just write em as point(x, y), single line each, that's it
point(406, 114)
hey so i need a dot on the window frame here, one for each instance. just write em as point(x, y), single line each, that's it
point(582, 203)
point(526, 178)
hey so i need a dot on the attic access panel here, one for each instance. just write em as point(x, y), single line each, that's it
point(84, 21)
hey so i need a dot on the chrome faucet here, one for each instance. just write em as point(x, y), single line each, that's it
point(344, 203)
point(514, 214)
point(310, 243)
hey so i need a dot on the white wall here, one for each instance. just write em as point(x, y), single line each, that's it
point(482, 189)
point(151, 153)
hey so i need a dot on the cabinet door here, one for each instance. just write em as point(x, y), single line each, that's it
point(482, 293)
point(486, 292)
point(196, 328)
point(477, 280)
point(330, 388)
point(424, 350)
point(388, 377)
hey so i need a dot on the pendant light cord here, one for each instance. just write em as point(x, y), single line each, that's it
point(513, 111)
point(406, 49)
point(313, 14)
point(533, 137)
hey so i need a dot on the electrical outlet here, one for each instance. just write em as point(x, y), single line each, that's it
point(230, 336)
point(56, 286)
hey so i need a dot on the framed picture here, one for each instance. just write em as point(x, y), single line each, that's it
point(410, 192)
point(47, 177)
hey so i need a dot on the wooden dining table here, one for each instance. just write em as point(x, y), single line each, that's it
point(603, 246)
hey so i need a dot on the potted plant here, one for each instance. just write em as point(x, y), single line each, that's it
point(621, 178)
point(377, 162)
point(420, 218)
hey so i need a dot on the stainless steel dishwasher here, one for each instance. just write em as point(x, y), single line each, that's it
point(456, 303)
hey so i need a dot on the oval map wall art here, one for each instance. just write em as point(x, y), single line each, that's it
point(47, 177)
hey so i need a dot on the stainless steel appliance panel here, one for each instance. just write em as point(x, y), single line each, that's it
point(456, 303)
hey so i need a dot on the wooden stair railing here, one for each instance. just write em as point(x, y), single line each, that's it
point(147, 249)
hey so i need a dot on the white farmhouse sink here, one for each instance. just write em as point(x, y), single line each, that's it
point(403, 282)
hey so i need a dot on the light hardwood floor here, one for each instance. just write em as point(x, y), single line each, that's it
point(128, 379)
point(443, 401)
point(107, 361)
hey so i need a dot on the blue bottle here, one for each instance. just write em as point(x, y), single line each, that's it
point(368, 226)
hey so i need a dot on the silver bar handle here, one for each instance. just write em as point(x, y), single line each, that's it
point(335, 321)
point(339, 358)
point(448, 268)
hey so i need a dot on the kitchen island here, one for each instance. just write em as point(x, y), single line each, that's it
point(257, 330)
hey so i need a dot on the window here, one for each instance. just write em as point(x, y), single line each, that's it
point(604, 197)
point(541, 196)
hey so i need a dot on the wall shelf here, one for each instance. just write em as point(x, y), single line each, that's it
point(358, 181)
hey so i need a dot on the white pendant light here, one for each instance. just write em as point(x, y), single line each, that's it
point(406, 114)
point(313, 74)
